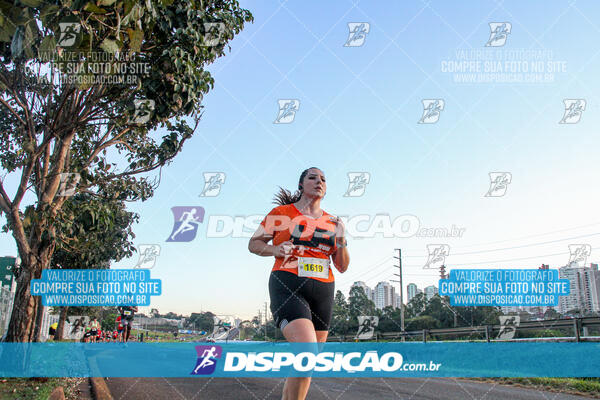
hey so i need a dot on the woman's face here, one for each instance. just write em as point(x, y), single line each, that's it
point(314, 183)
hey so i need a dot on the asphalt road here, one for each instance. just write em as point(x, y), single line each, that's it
point(323, 389)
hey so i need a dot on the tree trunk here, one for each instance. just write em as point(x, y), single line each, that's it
point(20, 327)
point(59, 334)
point(39, 320)
point(23, 317)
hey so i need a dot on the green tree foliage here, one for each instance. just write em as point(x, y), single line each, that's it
point(86, 221)
point(440, 309)
point(477, 316)
point(358, 304)
point(341, 317)
point(56, 120)
point(389, 320)
point(201, 321)
point(422, 322)
point(416, 306)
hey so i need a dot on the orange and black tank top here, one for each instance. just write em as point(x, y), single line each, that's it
point(314, 236)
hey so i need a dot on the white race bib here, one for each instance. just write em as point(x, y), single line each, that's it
point(127, 312)
point(311, 267)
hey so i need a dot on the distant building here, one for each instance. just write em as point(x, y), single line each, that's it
point(397, 302)
point(510, 309)
point(591, 288)
point(411, 291)
point(585, 289)
point(7, 277)
point(536, 311)
point(384, 295)
point(368, 291)
point(430, 291)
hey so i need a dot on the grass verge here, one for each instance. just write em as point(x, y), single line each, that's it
point(589, 387)
point(36, 388)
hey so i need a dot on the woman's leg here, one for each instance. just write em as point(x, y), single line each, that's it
point(321, 336)
point(299, 330)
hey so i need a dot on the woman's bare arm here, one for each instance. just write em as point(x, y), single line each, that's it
point(259, 243)
point(341, 258)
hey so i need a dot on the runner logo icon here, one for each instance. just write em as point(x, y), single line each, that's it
point(358, 33)
point(186, 223)
point(579, 254)
point(573, 110)
point(499, 182)
point(212, 184)
point(357, 183)
point(437, 255)
point(70, 34)
point(432, 108)
point(148, 255)
point(207, 359)
point(68, 184)
point(287, 111)
point(499, 32)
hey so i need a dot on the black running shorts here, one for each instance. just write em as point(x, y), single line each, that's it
point(293, 297)
point(126, 321)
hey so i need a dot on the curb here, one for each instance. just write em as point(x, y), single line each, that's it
point(57, 394)
point(99, 389)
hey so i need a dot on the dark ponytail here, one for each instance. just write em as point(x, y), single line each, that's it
point(284, 196)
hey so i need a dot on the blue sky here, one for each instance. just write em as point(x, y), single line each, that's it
point(359, 108)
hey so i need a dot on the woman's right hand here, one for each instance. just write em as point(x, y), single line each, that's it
point(283, 249)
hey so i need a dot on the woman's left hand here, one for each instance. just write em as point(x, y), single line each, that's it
point(340, 229)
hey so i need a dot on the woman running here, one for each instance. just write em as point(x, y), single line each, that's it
point(301, 285)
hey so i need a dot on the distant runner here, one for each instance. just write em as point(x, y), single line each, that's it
point(119, 327)
point(94, 329)
point(127, 313)
point(52, 330)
